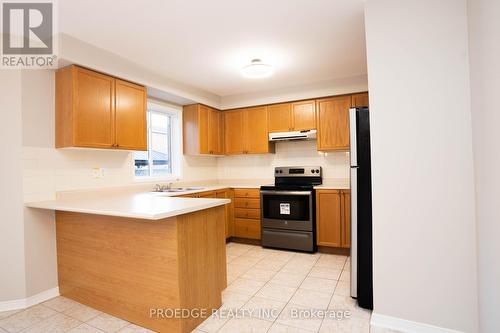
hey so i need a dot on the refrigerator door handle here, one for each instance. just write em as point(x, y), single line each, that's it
point(354, 232)
point(352, 137)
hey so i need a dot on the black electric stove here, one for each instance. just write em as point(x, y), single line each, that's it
point(288, 209)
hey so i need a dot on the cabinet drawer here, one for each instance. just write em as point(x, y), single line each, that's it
point(246, 228)
point(247, 193)
point(247, 203)
point(249, 213)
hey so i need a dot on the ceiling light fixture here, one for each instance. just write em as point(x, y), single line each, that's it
point(257, 70)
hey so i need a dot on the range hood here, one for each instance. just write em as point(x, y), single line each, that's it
point(295, 135)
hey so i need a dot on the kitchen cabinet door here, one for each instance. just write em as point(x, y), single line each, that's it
point(214, 132)
point(203, 129)
point(304, 115)
point(280, 117)
point(234, 129)
point(93, 109)
point(131, 126)
point(346, 218)
point(332, 123)
point(328, 218)
point(358, 100)
point(224, 194)
point(256, 131)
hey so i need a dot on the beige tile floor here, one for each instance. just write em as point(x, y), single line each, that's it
point(267, 290)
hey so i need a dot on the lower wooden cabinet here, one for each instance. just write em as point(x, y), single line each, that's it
point(228, 209)
point(247, 228)
point(242, 215)
point(345, 205)
point(226, 194)
point(247, 222)
point(247, 213)
point(333, 218)
point(208, 194)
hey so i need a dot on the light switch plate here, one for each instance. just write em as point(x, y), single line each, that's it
point(97, 172)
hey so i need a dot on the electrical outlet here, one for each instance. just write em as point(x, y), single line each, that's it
point(97, 172)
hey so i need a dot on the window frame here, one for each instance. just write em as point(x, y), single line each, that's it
point(175, 128)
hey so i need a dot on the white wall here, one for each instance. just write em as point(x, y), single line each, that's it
point(12, 273)
point(260, 167)
point(484, 36)
point(423, 190)
point(74, 51)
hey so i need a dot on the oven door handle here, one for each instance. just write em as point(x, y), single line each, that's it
point(267, 192)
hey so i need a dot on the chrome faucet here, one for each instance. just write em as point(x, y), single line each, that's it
point(162, 188)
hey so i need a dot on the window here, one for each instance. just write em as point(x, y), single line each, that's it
point(160, 159)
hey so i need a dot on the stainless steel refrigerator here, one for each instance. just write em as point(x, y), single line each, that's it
point(361, 208)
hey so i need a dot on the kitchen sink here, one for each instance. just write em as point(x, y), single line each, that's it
point(178, 189)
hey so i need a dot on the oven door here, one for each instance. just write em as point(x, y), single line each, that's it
point(291, 210)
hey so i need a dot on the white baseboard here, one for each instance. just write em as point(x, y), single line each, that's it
point(24, 303)
point(406, 326)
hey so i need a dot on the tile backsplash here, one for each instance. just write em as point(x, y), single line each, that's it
point(335, 165)
point(48, 170)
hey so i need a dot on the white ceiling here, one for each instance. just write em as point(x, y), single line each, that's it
point(205, 43)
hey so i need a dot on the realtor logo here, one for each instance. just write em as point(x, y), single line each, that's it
point(28, 30)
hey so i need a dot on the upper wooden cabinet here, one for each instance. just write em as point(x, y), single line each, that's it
point(94, 110)
point(332, 121)
point(303, 115)
point(130, 124)
point(333, 219)
point(234, 124)
point(358, 100)
point(296, 116)
point(246, 131)
point(256, 131)
point(203, 130)
point(280, 117)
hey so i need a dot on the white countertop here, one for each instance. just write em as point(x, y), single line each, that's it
point(139, 205)
point(142, 204)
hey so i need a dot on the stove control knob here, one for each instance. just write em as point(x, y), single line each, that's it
point(313, 171)
point(317, 170)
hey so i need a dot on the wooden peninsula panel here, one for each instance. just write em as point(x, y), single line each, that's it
point(125, 267)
